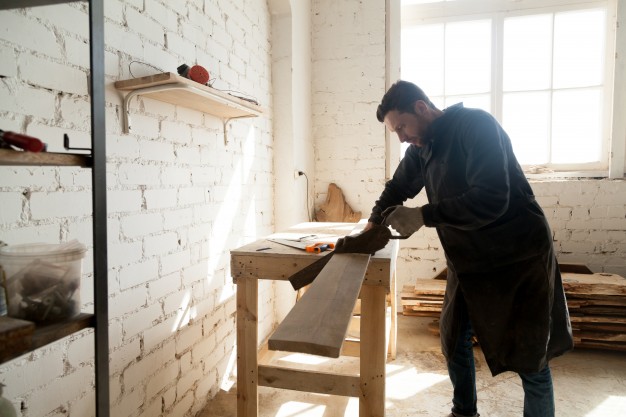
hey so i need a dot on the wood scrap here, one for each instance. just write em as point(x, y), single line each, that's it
point(336, 209)
point(596, 302)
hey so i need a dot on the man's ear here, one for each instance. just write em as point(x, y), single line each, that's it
point(420, 107)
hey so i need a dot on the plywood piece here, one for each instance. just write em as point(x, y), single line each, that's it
point(317, 324)
point(336, 209)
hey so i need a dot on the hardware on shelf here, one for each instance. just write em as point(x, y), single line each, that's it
point(66, 144)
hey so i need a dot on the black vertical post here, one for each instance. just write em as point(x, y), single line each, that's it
point(98, 146)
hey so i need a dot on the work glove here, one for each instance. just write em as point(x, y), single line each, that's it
point(405, 220)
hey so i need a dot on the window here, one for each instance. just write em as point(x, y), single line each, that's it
point(541, 71)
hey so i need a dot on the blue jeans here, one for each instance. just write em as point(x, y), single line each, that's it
point(538, 391)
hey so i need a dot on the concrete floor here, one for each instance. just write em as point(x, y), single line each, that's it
point(587, 383)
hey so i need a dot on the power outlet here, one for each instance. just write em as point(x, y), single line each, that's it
point(296, 174)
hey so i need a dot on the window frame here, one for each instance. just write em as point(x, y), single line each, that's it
point(614, 128)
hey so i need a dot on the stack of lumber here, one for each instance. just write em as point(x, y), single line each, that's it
point(425, 299)
point(597, 306)
point(596, 302)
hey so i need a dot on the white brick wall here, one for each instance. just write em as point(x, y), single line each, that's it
point(588, 218)
point(179, 199)
point(348, 82)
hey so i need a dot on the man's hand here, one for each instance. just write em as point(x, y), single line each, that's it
point(405, 220)
point(368, 226)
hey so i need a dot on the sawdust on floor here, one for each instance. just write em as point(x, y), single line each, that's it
point(587, 383)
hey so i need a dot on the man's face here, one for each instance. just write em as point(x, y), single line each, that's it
point(411, 128)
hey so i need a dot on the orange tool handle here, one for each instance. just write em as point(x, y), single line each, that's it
point(320, 247)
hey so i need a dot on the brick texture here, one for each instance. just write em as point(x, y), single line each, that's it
point(179, 198)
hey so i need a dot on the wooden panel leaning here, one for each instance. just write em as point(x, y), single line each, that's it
point(318, 323)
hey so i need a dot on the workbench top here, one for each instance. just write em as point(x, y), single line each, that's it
point(265, 259)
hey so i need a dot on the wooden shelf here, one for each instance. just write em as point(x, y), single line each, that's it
point(12, 157)
point(14, 4)
point(174, 89)
point(41, 336)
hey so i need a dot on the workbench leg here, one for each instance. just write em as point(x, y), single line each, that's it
point(373, 351)
point(247, 341)
point(393, 332)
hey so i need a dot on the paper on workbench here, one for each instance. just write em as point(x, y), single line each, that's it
point(306, 238)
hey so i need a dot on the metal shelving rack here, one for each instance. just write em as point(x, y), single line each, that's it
point(97, 161)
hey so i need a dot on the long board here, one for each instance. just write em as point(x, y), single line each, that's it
point(318, 323)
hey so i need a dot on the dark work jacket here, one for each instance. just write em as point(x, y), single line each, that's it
point(502, 269)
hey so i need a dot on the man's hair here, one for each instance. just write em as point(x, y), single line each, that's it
point(401, 96)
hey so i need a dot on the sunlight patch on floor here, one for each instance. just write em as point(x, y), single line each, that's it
point(296, 408)
point(304, 359)
point(613, 406)
point(403, 383)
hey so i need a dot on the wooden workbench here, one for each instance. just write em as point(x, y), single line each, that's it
point(264, 259)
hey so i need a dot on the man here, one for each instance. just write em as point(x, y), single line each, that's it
point(503, 282)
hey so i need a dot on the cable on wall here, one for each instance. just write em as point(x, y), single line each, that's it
point(308, 211)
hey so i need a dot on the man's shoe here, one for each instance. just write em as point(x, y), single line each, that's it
point(463, 415)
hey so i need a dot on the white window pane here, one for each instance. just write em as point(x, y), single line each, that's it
point(577, 126)
point(468, 57)
point(479, 101)
point(438, 101)
point(526, 119)
point(527, 53)
point(412, 2)
point(579, 48)
point(422, 57)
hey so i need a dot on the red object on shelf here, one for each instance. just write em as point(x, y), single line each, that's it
point(196, 73)
point(199, 74)
point(28, 143)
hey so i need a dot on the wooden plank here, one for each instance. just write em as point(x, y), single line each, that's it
point(21, 158)
point(247, 341)
point(574, 302)
point(309, 381)
point(600, 336)
point(15, 4)
point(597, 319)
point(15, 337)
point(430, 287)
point(45, 334)
point(317, 324)
point(53, 332)
point(600, 327)
point(425, 303)
point(599, 345)
point(373, 352)
point(598, 278)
